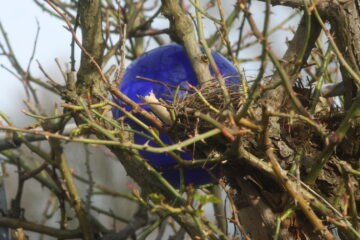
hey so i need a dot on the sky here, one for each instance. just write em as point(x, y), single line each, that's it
point(18, 18)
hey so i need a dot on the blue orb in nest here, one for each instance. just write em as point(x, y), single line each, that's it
point(169, 65)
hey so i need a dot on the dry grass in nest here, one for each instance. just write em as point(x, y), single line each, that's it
point(208, 100)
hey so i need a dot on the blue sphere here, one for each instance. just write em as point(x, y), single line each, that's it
point(168, 64)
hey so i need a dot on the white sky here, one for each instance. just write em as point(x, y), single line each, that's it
point(19, 20)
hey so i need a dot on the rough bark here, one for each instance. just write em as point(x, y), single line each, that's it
point(88, 78)
point(344, 17)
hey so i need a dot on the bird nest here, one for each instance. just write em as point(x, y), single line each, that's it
point(208, 101)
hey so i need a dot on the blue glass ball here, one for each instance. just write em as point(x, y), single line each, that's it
point(168, 64)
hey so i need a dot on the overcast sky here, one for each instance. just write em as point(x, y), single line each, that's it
point(19, 20)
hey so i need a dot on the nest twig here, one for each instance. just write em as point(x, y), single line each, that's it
point(207, 100)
